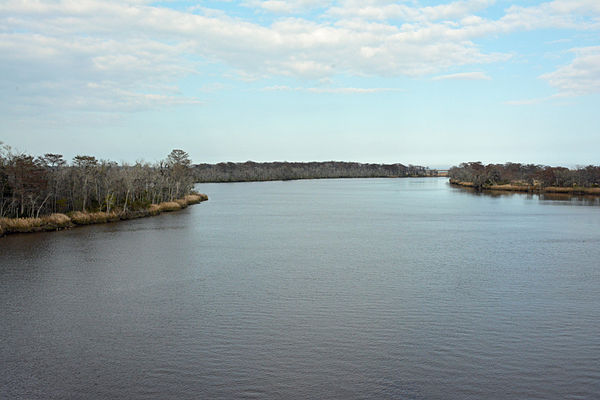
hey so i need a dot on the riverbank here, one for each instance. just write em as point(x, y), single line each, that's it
point(322, 178)
point(55, 222)
point(286, 171)
point(574, 190)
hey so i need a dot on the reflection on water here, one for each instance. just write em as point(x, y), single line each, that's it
point(366, 288)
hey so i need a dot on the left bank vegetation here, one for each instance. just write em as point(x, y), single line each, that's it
point(49, 193)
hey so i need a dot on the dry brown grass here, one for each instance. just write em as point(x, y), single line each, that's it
point(20, 224)
point(80, 218)
point(592, 190)
point(46, 223)
point(461, 183)
point(575, 189)
point(154, 209)
point(60, 221)
point(169, 206)
point(549, 189)
point(195, 198)
point(520, 186)
point(86, 218)
point(511, 188)
point(182, 203)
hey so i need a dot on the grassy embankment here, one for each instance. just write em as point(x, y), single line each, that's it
point(55, 222)
point(514, 187)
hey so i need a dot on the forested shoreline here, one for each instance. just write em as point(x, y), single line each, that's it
point(269, 171)
point(48, 192)
point(527, 177)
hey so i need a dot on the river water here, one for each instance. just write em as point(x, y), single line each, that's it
point(348, 289)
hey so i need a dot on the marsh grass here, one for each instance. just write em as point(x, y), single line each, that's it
point(169, 206)
point(86, 218)
point(45, 223)
point(61, 221)
point(154, 209)
point(524, 187)
point(182, 203)
point(195, 198)
point(574, 189)
point(58, 220)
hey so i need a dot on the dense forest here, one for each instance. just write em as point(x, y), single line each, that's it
point(525, 174)
point(36, 186)
point(269, 171)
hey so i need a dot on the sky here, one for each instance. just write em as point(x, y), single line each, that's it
point(422, 82)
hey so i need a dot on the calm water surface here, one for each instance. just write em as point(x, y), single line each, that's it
point(366, 288)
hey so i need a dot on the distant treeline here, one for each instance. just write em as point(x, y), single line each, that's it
point(270, 171)
point(35, 186)
point(525, 174)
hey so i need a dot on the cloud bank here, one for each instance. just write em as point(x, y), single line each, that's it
point(129, 55)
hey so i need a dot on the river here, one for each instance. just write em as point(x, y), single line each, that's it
point(348, 289)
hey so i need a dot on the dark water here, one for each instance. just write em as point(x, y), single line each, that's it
point(369, 288)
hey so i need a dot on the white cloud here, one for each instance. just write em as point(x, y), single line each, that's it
point(291, 47)
point(472, 76)
point(403, 12)
point(134, 48)
point(332, 90)
point(68, 96)
point(580, 77)
point(287, 6)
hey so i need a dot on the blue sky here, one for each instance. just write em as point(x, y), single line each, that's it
point(423, 82)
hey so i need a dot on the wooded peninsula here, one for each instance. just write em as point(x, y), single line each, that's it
point(527, 178)
point(48, 193)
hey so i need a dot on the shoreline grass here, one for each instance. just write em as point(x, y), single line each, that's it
point(57, 221)
point(575, 190)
